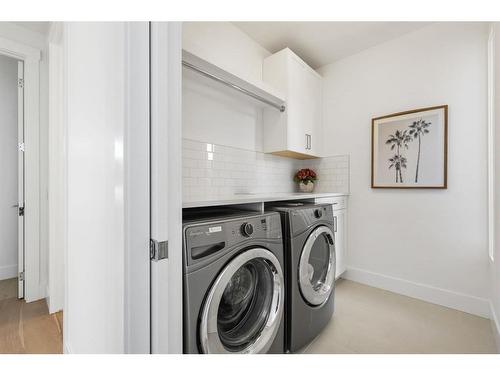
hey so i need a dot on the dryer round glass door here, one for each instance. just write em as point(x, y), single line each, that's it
point(317, 266)
point(244, 307)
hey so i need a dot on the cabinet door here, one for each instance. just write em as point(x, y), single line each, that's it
point(315, 127)
point(299, 128)
point(298, 121)
point(305, 103)
point(340, 217)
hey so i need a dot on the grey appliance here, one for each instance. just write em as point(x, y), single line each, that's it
point(308, 231)
point(233, 282)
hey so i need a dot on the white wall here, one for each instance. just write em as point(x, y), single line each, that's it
point(95, 94)
point(495, 265)
point(209, 113)
point(430, 244)
point(226, 46)
point(8, 167)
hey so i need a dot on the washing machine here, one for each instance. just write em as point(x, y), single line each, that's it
point(233, 287)
point(308, 231)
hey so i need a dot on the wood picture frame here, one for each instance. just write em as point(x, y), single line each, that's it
point(409, 150)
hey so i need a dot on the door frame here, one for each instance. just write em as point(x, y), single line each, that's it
point(20, 178)
point(491, 143)
point(137, 191)
point(166, 185)
point(33, 287)
point(57, 171)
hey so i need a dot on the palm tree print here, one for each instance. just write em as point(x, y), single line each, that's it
point(398, 162)
point(399, 140)
point(417, 130)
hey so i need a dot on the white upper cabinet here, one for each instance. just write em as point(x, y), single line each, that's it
point(297, 132)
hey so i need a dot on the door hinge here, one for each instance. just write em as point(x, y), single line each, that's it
point(20, 146)
point(158, 250)
point(20, 82)
point(21, 211)
point(21, 276)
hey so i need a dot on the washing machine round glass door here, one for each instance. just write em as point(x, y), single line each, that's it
point(317, 266)
point(244, 307)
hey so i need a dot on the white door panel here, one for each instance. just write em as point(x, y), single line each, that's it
point(166, 186)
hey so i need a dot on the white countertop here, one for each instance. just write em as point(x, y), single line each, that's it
point(258, 198)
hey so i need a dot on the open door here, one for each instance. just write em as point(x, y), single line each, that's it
point(166, 188)
point(20, 174)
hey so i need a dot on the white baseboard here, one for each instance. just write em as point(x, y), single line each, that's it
point(458, 301)
point(67, 349)
point(37, 293)
point(8, 272)
point(495, 325)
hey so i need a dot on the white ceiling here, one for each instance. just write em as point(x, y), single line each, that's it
point(38, 27)
point(321, 43)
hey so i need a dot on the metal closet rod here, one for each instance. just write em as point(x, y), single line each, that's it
point(279, 107)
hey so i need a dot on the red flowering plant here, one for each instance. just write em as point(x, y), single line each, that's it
point(305, 176)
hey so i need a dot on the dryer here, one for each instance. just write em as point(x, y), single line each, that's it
point(308, 231)
point(233, 282)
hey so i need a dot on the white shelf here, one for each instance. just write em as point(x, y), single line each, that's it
point(257, 198)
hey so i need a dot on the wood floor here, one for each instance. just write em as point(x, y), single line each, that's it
point(374, 321)
point(27, 327)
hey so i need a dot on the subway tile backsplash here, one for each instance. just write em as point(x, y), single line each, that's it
point(333, 173)
point(212, 171)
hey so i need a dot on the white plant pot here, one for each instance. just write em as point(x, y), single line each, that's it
point(306, 188)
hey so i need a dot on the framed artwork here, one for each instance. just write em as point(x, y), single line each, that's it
point(409, 149)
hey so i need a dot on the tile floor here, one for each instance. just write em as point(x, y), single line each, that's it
point(371, 320)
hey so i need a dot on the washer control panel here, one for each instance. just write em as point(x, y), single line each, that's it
point(247, 229)
point(204, 239)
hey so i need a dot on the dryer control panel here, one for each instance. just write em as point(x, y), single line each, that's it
point(303, 218)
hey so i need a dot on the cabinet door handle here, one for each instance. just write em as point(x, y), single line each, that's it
point(310, 141)
point(335, 224)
